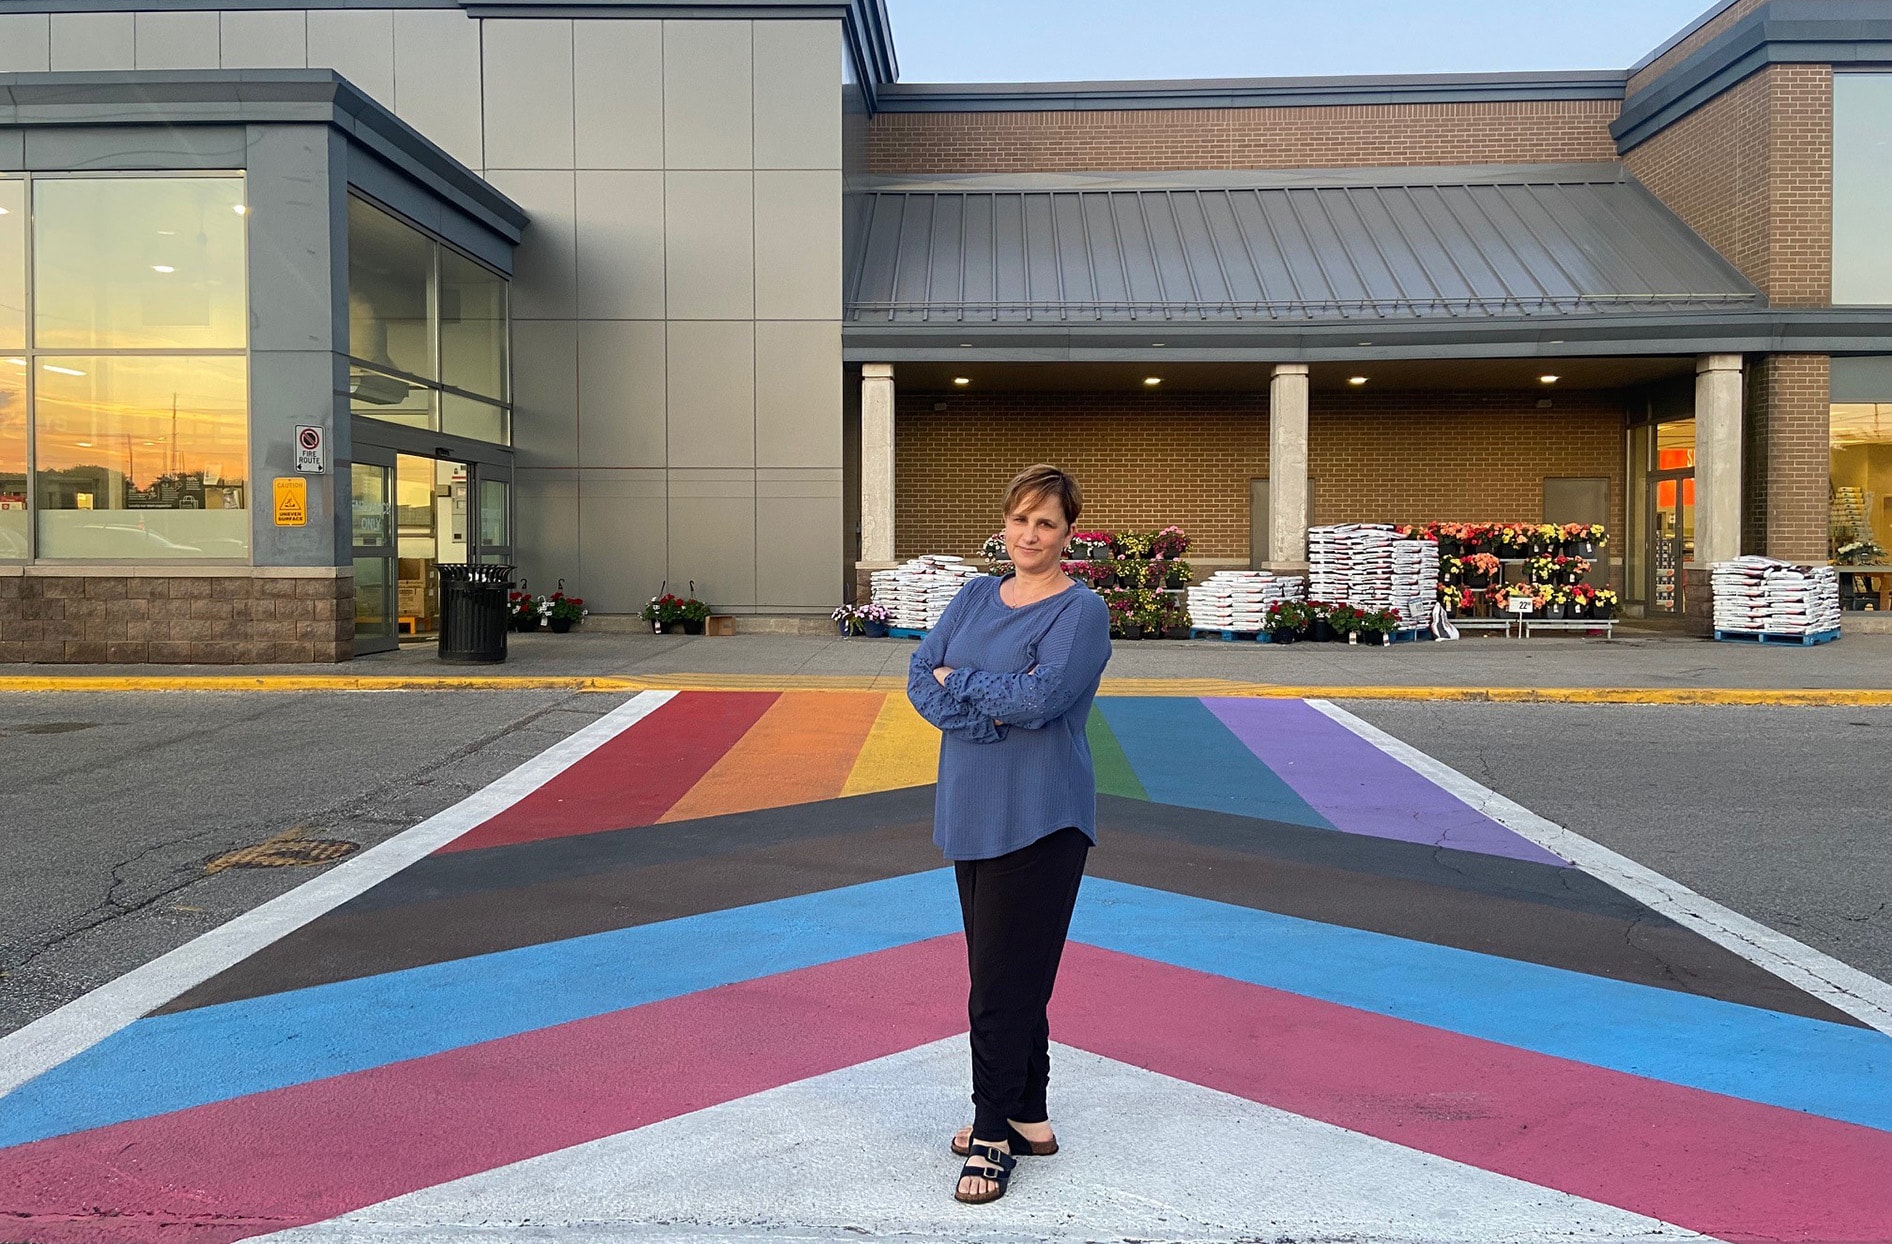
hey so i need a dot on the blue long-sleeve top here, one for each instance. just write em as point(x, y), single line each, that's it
point(1014, 760)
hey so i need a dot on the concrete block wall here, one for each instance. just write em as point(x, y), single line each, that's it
point(1242, 138)
point(1187, 459)
point(175, 615)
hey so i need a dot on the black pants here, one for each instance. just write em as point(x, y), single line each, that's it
point(1017, 910)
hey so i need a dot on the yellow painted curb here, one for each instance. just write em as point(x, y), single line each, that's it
point(1779, 697)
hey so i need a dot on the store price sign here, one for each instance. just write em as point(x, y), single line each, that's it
point(1520, 604)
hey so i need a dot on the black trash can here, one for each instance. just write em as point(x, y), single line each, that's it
point(473, 621)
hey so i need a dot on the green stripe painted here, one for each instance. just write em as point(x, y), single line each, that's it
point(1114, 774)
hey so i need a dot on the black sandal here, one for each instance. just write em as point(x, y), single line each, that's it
point(1021, 1147)
point(997, 1171)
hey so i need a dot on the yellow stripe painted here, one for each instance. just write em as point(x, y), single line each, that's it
point(1812, 697)
point(902, 749)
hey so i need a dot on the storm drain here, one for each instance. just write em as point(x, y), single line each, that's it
point(286, 850)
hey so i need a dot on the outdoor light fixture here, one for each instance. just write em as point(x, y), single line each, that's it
point(1356, 379)
point(962, 379)
point(1547, 379)
point(162, 267)
point(1152, 380)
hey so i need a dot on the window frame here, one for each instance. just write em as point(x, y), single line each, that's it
point(33, 353)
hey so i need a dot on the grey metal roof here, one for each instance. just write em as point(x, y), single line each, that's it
point(1552, 241)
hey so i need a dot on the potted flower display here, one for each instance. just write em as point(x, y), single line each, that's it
point(1584, 539)
point(663, 613)
point(1860, 553)
point(1169, 544)
point(1286, 621)
point(1480, 569)
point(1556, 601)
point(1603, 604)
point(1123, 623)
point(522, 611)
point(1345, 621)
point(1377, 625)
point(848, 621)
point(562, 612)
point(1152, 609)
point(1320, 627)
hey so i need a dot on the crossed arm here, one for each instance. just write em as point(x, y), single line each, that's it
point(978, 705)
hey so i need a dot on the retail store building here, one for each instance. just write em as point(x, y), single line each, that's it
point(641, 293)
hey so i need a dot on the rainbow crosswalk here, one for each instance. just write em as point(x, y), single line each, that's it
point(733, 903)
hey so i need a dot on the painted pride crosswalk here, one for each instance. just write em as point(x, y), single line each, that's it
point(731, 899)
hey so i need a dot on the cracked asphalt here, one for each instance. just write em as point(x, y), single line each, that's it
point(111, 805)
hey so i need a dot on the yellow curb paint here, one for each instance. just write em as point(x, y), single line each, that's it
point(902, 750)
point(1811, 697)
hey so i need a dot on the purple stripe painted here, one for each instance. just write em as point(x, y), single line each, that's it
point(1358, 787)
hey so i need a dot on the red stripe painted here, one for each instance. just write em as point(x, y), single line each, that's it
point(1726, 1167)
point(633, 779)
point(274, 1160)
point(223, 1172)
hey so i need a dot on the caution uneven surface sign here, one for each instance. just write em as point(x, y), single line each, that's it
point(292, 502)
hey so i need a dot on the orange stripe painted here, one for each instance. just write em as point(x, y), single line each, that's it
point(800, 751)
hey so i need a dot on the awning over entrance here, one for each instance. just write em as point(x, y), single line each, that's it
point(1551, 241)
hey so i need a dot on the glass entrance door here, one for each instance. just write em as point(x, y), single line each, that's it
point(1672, 532)
point(372, 490)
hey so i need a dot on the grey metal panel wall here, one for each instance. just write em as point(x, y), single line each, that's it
point(1397, 250)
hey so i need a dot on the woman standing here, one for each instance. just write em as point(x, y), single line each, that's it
point(1008, 676)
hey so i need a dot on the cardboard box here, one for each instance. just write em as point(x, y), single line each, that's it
point(720, 624)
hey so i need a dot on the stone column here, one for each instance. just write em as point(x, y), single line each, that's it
point(1287, 466)
point(1718, 483)
point(1717, 458)
point(877, 463)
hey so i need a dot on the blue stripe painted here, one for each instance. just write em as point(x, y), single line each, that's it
point(1184, 755)
point(170, 1062)
point(1828, 1069)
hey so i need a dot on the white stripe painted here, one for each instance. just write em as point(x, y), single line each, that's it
point(85, 1021)
point(1845, 988)
point(860, 1155)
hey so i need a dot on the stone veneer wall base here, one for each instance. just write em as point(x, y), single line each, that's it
point(126, 616)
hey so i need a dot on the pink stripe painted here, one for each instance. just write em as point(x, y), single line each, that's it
point(274, 1160)
point(1358, 787)
point(1726, 1167)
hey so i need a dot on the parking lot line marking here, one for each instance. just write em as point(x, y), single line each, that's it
point(87, 1020)
point(1845, 988)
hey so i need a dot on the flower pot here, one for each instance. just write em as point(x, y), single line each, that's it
point(1282, 637)
point(1554, 613)
point(1606, 611)
point(1323, 631)
point(1576, 609)
point(693, 627)
point(1106, 579)
point(1132, 631)
point(876, 630)
point(1586, 549)
point(559, 626)
point(1176, 632)
point(674, 628)
point(1476, 580)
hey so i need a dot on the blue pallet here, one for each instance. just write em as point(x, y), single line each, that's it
point(906, 632)
point(1411, 634)
point(1770, 637)
point(1227, 636)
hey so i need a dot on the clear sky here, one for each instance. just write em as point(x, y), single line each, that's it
point(1077, 40)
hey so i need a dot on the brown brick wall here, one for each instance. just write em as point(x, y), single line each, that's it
point(1187, 459)
point(1752, 172)
point(131, 619)
point(1241, 138)
point(1694, 43)
point(1788, 400)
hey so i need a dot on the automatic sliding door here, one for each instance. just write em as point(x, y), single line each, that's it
point(372, 491)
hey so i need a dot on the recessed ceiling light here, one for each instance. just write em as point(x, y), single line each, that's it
point(83, 444)
point(1356, 379)
point(1547, 379)
point(1366, 343)
point(1159, 344)
point(162, 267)
point(965, 345)
point(962, 379)
point(64, 371)
point(1152, 380)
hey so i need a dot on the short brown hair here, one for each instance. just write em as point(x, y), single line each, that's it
point(1037, 483)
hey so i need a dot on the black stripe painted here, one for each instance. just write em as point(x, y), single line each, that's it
point(519, 897)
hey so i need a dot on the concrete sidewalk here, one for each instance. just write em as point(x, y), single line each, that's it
point(1644, 668)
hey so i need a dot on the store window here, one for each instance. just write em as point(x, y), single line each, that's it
point(132, 387)
point(139, 263)
point(15, 541)
point(1862, 188)
point(142, 457)
point(427, 331)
